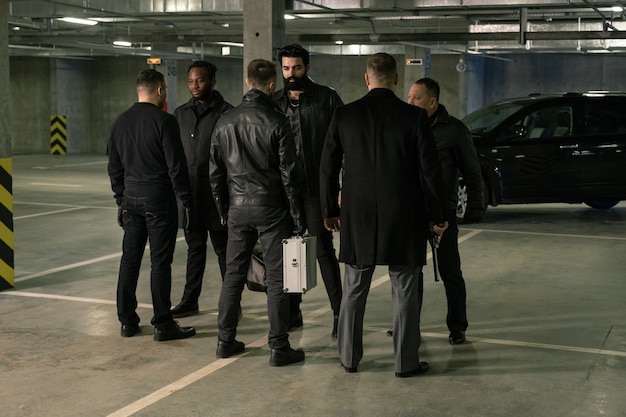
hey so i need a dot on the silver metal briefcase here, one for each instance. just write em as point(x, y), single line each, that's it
point(299, 264)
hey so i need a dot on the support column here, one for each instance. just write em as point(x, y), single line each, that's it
point(7, 267)
point(263, 31)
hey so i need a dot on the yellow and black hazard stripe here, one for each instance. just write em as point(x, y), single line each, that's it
point(7, 266)
point(58, 135)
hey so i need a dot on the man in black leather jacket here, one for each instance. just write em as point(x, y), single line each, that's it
point(197, 119)
point(310, 108)
point(257, 192)
point(457, 155)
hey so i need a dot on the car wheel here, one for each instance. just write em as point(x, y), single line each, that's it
point(602, 205)
point(461, 204)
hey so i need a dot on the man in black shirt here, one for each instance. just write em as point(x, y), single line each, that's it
point(148, 172)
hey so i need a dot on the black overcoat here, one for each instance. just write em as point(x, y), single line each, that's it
point(196, 126)
point(392, 185)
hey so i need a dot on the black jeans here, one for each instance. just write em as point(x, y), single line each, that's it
point(452, 277)
point(196, 260)
point(246, 225)
point(147, 219)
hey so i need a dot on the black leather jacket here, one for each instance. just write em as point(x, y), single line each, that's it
point(253, 158)
point(316, 107)
point(457, 156)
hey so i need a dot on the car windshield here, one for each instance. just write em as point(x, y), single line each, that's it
point(488, 118)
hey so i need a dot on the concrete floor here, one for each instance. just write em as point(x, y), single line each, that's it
point(547, 337)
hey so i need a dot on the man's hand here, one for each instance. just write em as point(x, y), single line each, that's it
point(298, 227)
point(473, 215)
point(439, 228)
point(120, 219)
point(332, 224)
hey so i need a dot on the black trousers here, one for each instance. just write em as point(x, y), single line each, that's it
point(326, 257)
point(196, 260)
point(246, 225)
point(147, 219)
point(452, 277)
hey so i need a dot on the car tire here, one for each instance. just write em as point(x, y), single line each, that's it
point(461, 204)
point(602, 204)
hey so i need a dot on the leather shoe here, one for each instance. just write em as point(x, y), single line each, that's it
point(129, 330)
point(172, 331)
point(228, 349)
point(286, 356)
point(295, 322)
point(184, 309)
point(423, 367)
point(349, 370)
point(457, 337)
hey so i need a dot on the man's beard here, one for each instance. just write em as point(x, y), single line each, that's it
point(297, 84)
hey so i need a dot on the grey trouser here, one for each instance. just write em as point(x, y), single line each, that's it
point(406, 290)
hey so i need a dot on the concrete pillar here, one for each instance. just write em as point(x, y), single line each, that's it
point(263, 31)
point(412, 72)
point(169, 68)
point(7, 266)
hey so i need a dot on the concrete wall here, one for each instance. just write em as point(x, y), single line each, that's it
point(91, 93)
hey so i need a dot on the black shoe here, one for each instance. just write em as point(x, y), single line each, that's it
point(184, 309)
point(228, 349)
point(457, 337)
point(349, 370)
point(423, 367)
point(295, 322)
point(129, 330)
point(172, 331)
point(287, 356)
point(333, 334)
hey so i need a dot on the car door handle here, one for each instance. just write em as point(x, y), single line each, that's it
point(569, 146)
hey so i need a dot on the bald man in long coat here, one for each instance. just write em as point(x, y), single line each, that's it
point(391, 200)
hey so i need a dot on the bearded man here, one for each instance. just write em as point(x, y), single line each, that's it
point(310, 108)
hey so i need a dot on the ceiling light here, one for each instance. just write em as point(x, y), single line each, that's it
point(617, 9)
point(222, 24)
point(289, 17)
point(122, 43)
point(338, 42)
point(79, 21)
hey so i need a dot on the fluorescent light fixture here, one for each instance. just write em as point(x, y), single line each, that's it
point(289, 17)
point(237, 44)
point(79, 21)
point(122, 43)
point(338, 42)
point(617, 9)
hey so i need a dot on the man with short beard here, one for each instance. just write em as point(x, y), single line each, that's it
point(310, 107)
point(197, 120)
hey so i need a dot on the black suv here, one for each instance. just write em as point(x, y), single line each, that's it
point(567, 148)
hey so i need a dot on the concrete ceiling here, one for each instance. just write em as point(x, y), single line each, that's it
point(194, 28)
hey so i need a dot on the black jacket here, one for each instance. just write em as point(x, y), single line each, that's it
point(457, 156)
point(196, 126)
point(316, 107)
point(253, 157)
point(146, 157)
point(392, 185)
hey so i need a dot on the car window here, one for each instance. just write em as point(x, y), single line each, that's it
point(486, 119)
point(542, 123)
point(602, 117)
